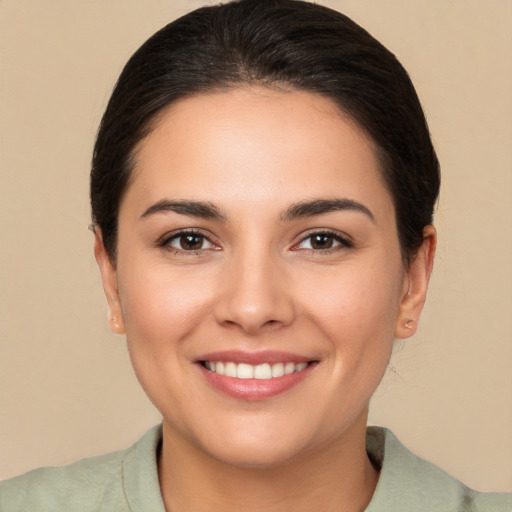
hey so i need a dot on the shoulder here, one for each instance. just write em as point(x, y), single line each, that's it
point(408, 482)
point(78, 486)
point(93, 484)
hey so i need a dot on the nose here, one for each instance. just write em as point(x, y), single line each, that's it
point(255, 295)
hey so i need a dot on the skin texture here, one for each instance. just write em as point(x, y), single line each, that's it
point(256, 283)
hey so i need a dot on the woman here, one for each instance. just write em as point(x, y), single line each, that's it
point(262, 191)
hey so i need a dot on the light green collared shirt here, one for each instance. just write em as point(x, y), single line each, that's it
point(127, 481)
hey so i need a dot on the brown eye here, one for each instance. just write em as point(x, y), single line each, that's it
point(191, 242)
point(322, 241)
point(188, 242)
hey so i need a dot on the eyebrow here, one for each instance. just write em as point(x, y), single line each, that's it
point(207, 210)
point(202, 209)
point(321, 206)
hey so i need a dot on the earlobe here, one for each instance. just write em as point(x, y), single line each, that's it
point(109, 279)
point(418, 276)
point(116, 324)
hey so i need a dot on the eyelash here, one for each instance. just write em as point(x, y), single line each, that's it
point(165, 242)
point(344, 242)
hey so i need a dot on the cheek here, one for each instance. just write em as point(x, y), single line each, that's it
point(158, 300)
point(161, 311)
point(356, 310)
point(358, 304)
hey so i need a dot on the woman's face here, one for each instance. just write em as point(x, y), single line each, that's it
point(257, 238)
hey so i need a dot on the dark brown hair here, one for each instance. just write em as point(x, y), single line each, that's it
point(273, 43)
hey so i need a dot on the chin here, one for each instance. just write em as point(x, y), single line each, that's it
point(255, 455)
point(249, 442)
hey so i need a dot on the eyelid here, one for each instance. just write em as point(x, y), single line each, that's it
point(173, 235)
point(344, 240)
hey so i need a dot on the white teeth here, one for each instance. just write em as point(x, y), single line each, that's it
point(278, 370)
point(263, 371)
point(245, 371)
point(230, 370)
point(248, 371)
point(289, 368)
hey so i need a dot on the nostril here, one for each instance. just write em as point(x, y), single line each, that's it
point(253, 308)
point(272, 324)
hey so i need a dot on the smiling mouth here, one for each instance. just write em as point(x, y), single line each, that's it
point(264, 371)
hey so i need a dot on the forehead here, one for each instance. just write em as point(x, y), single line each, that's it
point(255, 146)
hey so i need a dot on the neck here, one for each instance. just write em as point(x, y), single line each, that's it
point(338, 476)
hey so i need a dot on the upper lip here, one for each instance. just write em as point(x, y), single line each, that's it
point(254, 358)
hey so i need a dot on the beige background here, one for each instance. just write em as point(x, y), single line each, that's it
point(66, 385)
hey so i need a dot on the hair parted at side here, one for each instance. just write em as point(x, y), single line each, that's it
point(290, 44)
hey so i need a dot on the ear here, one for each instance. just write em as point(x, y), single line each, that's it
point(109, 278)
point(415, 285)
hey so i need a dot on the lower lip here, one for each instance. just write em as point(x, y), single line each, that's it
point(255, 389)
